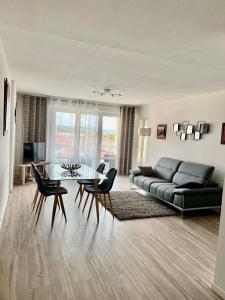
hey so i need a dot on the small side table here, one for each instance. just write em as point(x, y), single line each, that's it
point(26, 168)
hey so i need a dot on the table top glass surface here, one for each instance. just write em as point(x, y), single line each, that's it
point(56, 172)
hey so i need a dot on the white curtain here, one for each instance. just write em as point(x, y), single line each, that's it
point(72, 133)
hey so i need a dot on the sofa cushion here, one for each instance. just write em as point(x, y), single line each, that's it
point(155, 185)
point(165, 191)
point(144, 182)
point(166, 167)
point(192, 172)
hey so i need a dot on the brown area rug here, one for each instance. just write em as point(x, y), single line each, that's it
point(133, 205)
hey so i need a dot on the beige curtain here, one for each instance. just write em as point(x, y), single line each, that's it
point(126, 135)
point(34, 116)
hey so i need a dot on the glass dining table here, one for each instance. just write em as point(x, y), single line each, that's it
point(54, 171)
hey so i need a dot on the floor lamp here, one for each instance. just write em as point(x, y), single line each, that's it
point(143, 132)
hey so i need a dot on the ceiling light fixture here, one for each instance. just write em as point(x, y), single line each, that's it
point(106, 92)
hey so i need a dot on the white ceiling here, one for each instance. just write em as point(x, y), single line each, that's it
point(148, 50)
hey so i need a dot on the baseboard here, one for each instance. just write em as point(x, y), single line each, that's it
point(218, 290)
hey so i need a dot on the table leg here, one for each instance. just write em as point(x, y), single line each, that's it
point(96, 198)
point(56, 202)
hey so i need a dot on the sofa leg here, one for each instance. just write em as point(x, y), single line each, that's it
point(133, 187)
point(182, 214)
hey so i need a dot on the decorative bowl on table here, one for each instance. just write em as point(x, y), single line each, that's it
point(70, 167)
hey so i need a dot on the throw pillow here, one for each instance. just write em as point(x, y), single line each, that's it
point(147, 171)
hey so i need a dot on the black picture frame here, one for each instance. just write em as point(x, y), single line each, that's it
point(204, 128)
point(197, 135)
point(183, 136)
point(6, 95)
point(223, 134)
point(161, 131)
point(189, 129)
point(176, 127)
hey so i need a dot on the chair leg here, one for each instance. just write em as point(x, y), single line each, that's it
point(78, 192)
point(104, 200)
point(96, 198)
point(35, 197)
point(39, 211)
point(39, 202)
point(92, 199)
point(110, 204)
point(62, 206)
point(86, 202)
point(81, 195)
point(58, 204)
point(54, 209)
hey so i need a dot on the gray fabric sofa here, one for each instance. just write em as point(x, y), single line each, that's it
point(171, 173)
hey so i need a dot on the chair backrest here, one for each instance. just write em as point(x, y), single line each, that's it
point(37, 177)
point(107, 184)
point(100, 168)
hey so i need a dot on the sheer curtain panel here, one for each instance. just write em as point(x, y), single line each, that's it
point(73, 132)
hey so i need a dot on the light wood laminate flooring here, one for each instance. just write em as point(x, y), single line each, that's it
point(156, 258)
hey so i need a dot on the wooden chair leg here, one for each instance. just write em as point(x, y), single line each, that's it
point(81, 196)
point(58, 204)
point(39, 202)
point(78, 192)
point(86, 202)
point(54, 209)
point(35, 197)
point(104, 200)
point(96, 198)
point(92, 199)
point(110, 204)
point(100, 198)
point(39, 211)
point(62, 206)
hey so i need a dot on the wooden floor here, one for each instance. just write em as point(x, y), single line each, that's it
point(158, 258)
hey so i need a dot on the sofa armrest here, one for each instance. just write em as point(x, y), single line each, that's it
point(135, 172)
point(201, 191)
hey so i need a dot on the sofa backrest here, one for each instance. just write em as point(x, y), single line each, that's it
point(166, 167)
point(192, 172)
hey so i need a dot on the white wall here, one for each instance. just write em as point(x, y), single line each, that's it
point(219, 280)
point(4, 140)
point(209, 108)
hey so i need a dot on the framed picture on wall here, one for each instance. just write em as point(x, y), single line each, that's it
point(197, 135)
point(189, 129)
point(6, 99)
point(161, 131)
point(176, 127)
point(223, 134)
point(183, 136)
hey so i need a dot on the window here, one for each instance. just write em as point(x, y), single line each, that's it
point(109, 141)
point(82, 133)
point(65, 133)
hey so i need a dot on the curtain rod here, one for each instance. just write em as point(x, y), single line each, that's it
point(71, 99)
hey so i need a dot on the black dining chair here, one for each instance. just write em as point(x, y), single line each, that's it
point(45, 181)
point(46, 191)
point(83, 182)
point(104, 189)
